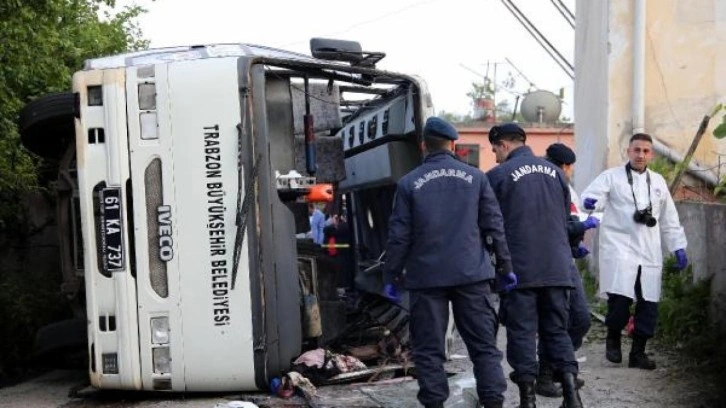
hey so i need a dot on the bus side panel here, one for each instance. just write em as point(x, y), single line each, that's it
point(217, 325)
point(281, 304)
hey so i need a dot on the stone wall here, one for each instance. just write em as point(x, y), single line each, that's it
point(705, 225)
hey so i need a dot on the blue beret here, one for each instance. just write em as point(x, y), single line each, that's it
point(559, 154)
point(496, 133)
point(438, 127)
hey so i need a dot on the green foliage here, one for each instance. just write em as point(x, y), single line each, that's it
point(684, 318)
point(28, 302)
point(721, 187)
point(684, 307)
point(452, 117)
point(664, 167)
point(719, 132)
point(481, 90)
point(43, 43)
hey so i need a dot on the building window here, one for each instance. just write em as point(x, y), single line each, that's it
point(468, 153)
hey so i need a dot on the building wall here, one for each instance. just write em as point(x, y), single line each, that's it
point(537, 138)
point(684, 77)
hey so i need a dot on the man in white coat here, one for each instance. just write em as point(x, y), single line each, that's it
point(638, 211)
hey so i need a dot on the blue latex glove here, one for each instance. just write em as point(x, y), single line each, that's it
point(275, 385)
point(391, 293)
point(589, 203)
point(507, 282)
point(591, 222)
point(681, 259)
point(581, 251)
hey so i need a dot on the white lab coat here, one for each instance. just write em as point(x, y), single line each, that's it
point(624, 244)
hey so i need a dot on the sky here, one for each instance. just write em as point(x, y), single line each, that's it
point(449, 43)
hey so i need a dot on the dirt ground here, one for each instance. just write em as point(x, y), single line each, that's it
point(615, 385)
point(607, 385)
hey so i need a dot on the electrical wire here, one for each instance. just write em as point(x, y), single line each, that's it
point(522, 18)
point(567, 10)
point(568, 17)
point(559, 59)
point(531, 84)
point(369, 21)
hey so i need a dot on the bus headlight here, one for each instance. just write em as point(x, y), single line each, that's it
point(160, 330)
point(161, 358)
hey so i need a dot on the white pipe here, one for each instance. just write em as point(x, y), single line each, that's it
point(694, 169)
point(639, 67)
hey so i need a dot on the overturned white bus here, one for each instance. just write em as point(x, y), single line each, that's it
point(181, 172)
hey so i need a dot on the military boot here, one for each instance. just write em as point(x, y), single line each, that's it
point(638, 358)
point(527, 397)
point(545, 385)
point(570, 394)
point(612, 346)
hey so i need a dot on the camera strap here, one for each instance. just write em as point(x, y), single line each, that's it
point(628, 172)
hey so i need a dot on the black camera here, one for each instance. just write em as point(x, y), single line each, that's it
point(645, 216)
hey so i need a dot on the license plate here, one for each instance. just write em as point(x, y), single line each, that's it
point(112, 247)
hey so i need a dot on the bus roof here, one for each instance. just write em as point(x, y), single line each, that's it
point(193, 52)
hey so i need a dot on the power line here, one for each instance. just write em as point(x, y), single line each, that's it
point(531, 84)
point(366, 22)
point(540, 38)
point(567, 10)
point(564, 11)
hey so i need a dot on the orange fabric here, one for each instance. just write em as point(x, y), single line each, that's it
point(332, 250)
point(320, 193)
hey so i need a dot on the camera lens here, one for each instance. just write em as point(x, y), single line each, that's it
point(651, 222)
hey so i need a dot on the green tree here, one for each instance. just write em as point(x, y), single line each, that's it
point(43, 43)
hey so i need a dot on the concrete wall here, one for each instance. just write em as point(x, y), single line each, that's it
point(591, 90)
point(704, 226)
point(684, 78)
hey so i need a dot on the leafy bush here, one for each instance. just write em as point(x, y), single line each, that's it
point(685, 321)
point(43, 43)
point(684, 310)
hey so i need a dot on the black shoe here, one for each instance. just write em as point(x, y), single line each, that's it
point(638, 358)
point(545, 385)
point(571, 397)
point(434, 405)
point(493, 404)
point(641, 361)
point(527, 397)
point(612, 347)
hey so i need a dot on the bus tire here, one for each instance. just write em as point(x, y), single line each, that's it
point(63, 344)
point(47, 126)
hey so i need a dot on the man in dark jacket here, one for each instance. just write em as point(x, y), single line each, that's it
point(579, 324)
point(535, 203)
point(443, 212)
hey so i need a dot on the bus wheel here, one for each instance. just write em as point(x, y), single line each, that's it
point(46, 124)
point(63, 344)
